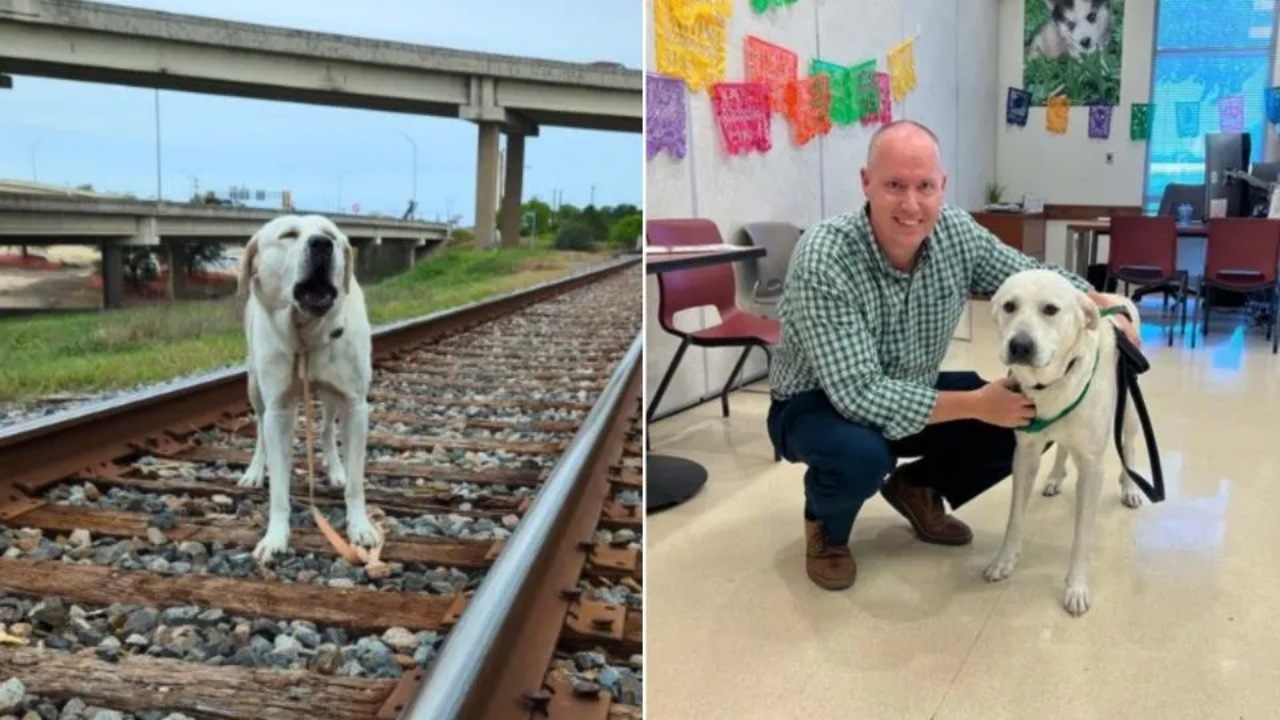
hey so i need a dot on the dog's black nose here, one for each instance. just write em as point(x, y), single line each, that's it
point(1021, 349)
point(1086, 42)
point(320, 243)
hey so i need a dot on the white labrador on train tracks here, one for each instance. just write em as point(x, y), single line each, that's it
point(304, 306)
point(1063, 355)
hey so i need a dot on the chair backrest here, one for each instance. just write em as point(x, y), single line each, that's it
point(1176, 194)
point(1143, 248)
point(1242, 252)
point(697, 287)
point(768, 274)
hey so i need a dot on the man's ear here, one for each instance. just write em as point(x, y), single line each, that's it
point(1092, 316)
point(248, 267)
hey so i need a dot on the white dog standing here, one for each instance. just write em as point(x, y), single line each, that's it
point(305, 307)
point(1063, 354)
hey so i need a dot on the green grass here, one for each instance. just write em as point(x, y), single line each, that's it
point(100, 351)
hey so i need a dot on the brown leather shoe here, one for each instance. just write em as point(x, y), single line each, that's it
point(830, 566)
point(922, 507)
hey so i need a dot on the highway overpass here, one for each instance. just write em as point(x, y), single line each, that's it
point(383, 245)
point(99, 42)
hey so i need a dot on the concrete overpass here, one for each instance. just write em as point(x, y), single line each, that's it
point(383, 245)
point(98, 42)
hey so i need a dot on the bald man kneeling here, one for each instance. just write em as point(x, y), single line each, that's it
point(870, 304)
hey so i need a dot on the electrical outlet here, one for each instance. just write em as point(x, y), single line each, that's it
point(1111, 158)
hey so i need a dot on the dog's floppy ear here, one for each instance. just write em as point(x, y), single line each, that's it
point(348, 267)
point(1092, 316)
point(248, 267)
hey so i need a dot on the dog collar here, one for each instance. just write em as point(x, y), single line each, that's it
point(1037, 424)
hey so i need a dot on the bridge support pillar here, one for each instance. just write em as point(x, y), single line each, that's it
point(511, 190)
point(112, 275)
point(486, 184)
point(177, 260)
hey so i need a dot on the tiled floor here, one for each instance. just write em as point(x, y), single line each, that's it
point(1186, 593)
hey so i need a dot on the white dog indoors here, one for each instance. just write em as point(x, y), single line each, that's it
point(305, 307)
point(1063, 354)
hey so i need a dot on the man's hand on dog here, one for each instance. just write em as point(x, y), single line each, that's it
point(1000, 403)
point(1121, 321)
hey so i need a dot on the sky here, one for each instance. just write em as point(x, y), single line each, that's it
point(70, 133)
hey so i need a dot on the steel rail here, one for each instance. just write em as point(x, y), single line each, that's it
point(40, 451)
point(466, 681)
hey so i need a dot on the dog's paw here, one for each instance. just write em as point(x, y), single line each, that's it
point(252, 477)
point(362, 532)
point(1076, 599)
point(1053, 487)
point(1131, 497)
point(337, 474)
point(1001, 568)
point(274, 542)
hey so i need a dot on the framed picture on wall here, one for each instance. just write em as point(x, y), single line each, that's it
point(1073, 49)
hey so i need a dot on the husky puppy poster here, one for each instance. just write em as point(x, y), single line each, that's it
point(1073, 47)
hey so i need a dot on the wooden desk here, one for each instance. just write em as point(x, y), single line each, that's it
point(1082, 241)
point(1024, 232)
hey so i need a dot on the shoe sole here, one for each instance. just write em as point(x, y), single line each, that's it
point(920, 532)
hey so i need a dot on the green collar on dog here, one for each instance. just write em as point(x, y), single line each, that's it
point(1038, 424)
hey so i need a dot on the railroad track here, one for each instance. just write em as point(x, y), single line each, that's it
point(504, 467)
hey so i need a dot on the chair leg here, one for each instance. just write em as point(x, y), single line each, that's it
point(737, 369)
point(662, 386)
point(1195, 316)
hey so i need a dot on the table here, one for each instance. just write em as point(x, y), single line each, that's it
point(1024, 232)
point(1083, 235)
point(670, 481)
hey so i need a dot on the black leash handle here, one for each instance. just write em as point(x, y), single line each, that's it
point(1126, 382)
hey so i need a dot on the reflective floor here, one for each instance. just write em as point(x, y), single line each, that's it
point(1186, 594)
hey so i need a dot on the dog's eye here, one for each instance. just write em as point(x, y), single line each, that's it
point(1092, 17)
point(1010, 306)
point(1050, 310)
point(289, 235)
point(1071, 25)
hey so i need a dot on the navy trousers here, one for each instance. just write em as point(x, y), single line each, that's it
point(848, 462)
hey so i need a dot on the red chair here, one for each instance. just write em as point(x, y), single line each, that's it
point(698, 287)
point(1242, 254)
point(1144, 252)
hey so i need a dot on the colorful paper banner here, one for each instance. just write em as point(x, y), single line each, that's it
point(1057, 114)
point(1187, 118)
point(809, 107)
point(1099, 122)
point(689, 40)
point(772, 65)
point(1140, 117)
point(1231, 114)
point(902, 68)
point(665, 107)
point(742, 113)
point(1017, 106)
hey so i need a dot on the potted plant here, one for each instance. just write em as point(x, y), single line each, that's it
point(995, 191)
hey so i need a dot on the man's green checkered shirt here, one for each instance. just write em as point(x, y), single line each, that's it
point(873, 337)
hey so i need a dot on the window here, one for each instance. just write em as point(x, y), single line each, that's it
point(1204, 52)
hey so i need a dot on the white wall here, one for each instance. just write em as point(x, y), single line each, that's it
point(805, 184)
